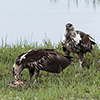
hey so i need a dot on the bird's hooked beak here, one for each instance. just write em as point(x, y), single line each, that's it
point(67, 27)
point(16, 77)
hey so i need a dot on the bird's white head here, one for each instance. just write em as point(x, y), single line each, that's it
point(16, 70)
point(69, 27)
point(70, 30)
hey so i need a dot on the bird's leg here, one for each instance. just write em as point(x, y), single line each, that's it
point(80, 64)
point(31, 73)
point(81, 58)
point(37, 75)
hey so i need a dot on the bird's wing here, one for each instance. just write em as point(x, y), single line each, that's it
point(85, 43)
point(85, 37)
point(35, 55)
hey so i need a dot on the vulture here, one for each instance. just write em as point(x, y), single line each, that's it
point(35, 60)
point(77, 42)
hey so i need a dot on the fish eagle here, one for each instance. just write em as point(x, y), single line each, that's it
point(77, 42)
point(35, 60)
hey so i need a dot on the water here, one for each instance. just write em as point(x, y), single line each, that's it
point(35, 18)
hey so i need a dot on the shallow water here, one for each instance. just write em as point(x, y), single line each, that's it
point(32, 19)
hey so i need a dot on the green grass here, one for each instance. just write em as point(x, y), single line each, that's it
point(71, 84)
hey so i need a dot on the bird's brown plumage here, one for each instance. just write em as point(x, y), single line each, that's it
point(41, 59)
point(77, 42)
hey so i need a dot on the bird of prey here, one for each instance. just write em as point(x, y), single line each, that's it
point(77, 42)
